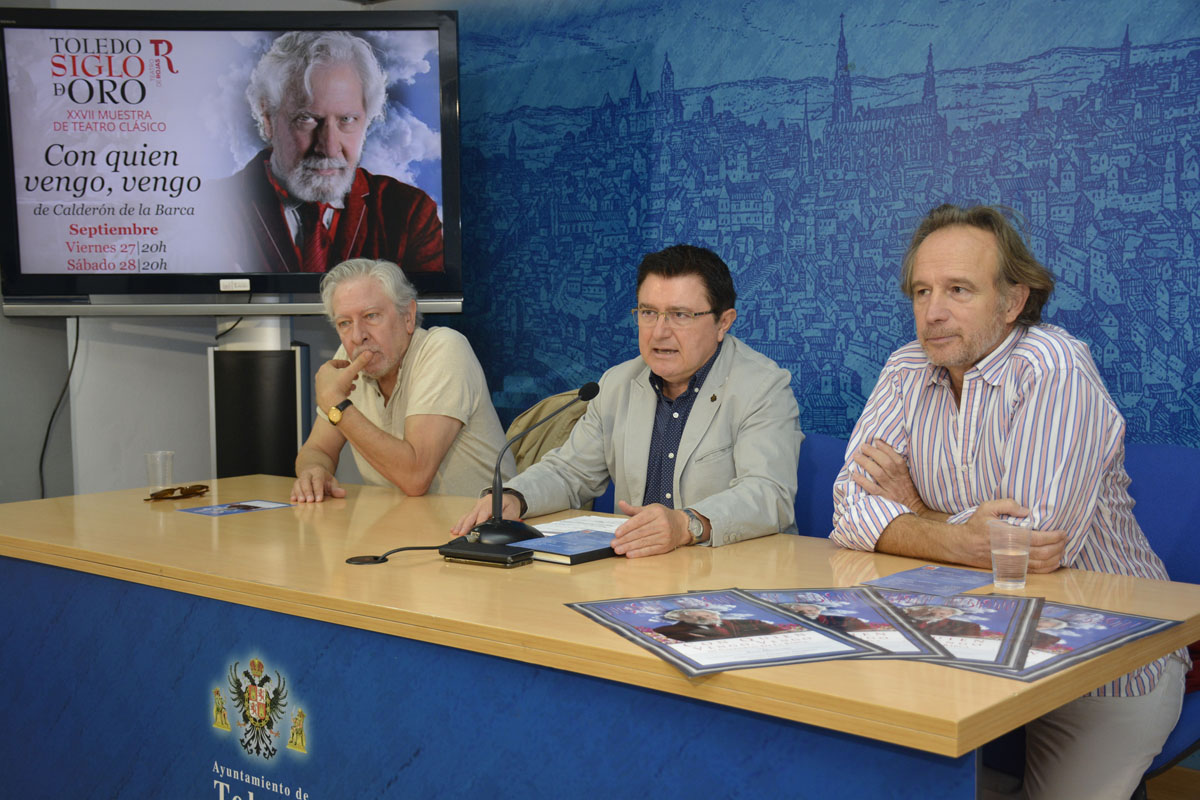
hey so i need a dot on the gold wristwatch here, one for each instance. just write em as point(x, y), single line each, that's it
point(335, 413)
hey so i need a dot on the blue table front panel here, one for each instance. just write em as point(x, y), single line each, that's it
point(108, 692)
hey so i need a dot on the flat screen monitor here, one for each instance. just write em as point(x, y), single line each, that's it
point(199, 158)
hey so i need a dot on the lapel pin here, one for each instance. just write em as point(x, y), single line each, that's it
point(712, 399)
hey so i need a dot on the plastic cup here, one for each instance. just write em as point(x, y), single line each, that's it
point(1010, 554)
point(160, 469)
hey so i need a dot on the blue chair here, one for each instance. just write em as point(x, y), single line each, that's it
point(821, 459)
point(1168, 505)
point(606, 502)
point(1168, 510)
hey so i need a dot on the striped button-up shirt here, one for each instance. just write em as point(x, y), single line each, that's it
point(1034, 424)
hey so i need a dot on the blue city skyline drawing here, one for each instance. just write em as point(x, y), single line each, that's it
point(808, 183)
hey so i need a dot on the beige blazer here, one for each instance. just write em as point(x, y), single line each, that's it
point(736, 462)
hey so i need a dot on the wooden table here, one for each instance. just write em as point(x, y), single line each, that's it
point(116, 679)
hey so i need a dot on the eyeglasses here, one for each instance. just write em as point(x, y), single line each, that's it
point(648, 317)
point(195, 490)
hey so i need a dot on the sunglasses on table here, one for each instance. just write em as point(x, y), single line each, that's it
point(178, 492)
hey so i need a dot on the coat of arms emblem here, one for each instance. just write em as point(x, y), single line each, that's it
point(260, 705)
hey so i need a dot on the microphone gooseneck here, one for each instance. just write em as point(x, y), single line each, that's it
point(498, 530)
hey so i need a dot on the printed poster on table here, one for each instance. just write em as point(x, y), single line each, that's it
point(859, 612)
point(934, 579)
point(706, 632)
point(1066, 635)
point(984, 629)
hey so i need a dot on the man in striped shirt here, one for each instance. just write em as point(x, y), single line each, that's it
point(992, 414)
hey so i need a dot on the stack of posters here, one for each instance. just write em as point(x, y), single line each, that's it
point(715, 631)
point(915, 615)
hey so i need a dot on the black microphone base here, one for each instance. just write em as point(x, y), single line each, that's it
point(503, 531)
point(491, 555)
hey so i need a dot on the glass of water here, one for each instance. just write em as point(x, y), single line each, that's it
point(1010, 554)
point(159, 472)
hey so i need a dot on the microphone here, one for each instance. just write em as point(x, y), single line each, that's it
point(498, 530)
point(487, 542)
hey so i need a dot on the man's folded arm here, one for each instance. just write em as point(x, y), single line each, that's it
point(410, 463)
point(316, 464)
point(930, 540)
point(860, 518)
point(322, 448)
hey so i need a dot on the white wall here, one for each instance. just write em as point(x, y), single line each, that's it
point(141, 384)
point(33, 361)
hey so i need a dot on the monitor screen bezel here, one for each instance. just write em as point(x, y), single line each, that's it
point(53, 290)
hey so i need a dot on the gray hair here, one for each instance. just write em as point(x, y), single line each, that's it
point(292, 58)
point(391, 279)
point(1017, 265)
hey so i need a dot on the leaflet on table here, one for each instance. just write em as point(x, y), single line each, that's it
point(859, 612)
point(993, 630)
point(1067, 635)
point(226, 509)
point(707, 632)
point(934, 579)
point(589, 522)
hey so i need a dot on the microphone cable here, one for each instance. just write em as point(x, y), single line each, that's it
point(54, 413)
point(379, 559)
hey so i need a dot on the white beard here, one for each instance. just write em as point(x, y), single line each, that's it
point(304, 184)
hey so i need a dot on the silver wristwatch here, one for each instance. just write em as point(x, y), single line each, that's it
point(695, 525)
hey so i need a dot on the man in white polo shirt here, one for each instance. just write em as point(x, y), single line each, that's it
point(413, 403)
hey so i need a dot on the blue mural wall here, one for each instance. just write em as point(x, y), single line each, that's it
point(803, 142)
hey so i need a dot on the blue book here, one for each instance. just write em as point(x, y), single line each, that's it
point(572, 547)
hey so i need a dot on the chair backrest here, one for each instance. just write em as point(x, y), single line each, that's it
point(1166, 486)
point(529, 450)
point(821, 459)
point(1167, 492)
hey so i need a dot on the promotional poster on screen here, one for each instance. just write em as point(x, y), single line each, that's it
point(1066, 635)
point(706, 632)
point(992, 630)
point(860, 613)
point(128, 145)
